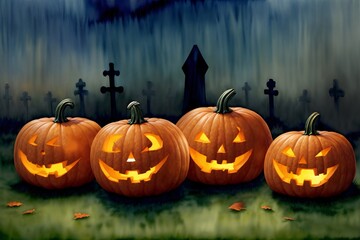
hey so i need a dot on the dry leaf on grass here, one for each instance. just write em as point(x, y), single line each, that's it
point(14, 204)
point(266, 208)
point(237, 206)
point(80, 215)
point(30, 211)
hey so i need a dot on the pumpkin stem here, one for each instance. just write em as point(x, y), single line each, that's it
point(310, 124)
point(136, 114)
point(60, 109)
point(223, 101)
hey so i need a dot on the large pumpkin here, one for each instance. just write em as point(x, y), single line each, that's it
point(140, 157)
point(227, 145)
point(310, 164)
point(54, 152)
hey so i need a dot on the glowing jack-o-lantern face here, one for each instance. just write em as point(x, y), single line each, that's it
point(112, 145)
point(302, 173)
point(311, 163)
point(57, 169)
point(54, 153)
point(228, 145)
point(208, 164)
point(140, 157)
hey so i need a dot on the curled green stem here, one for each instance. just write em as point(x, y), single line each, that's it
point(222, 105)
point(136, 116)
point(60, 110)
point(310, 124)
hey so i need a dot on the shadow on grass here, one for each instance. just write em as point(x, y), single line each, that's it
point(41, 193)
point(326, 206)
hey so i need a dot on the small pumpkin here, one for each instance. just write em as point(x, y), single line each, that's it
point(227, 145)
point(310, 163)
point(140, 157)
point(54, 153)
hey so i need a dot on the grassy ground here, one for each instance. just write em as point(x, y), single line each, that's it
point(191, 211)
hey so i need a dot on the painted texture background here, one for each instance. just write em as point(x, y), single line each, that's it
point(47, 46)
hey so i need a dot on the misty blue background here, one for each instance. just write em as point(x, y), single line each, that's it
point(301, 44)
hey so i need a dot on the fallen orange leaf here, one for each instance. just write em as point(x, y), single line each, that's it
point(30, 211)
point(237, 206)
point(289, 219)
point(14, 204)
point(80, 215)
point(267, 208)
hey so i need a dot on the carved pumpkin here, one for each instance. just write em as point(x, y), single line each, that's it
point(54, 152)
point(140, 157)
point(227, 145)
point(310, 164)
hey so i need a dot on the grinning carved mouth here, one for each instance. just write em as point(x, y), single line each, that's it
point(57, 169)
point(304, 174)
point(133, 175)
point(207, 167)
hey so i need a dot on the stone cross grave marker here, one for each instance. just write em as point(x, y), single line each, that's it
point(7, 99)
point(271, 92)
point(112, 89)
point(246, 88)
point(25, 98)
point(80, 85)
point(50, 100)
point(148, 92)
point(336, 92)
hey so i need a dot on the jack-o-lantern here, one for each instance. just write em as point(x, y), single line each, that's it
point(227, 145)
point(140, 157)
point(310, 164)
point(54, 152)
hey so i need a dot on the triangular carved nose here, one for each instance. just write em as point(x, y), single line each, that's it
point(131, 158)
point(302, 161)
point(221, 149)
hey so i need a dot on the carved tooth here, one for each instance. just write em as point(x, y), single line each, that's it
point(316, 171)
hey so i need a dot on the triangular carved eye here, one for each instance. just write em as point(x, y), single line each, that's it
point(156, 142)
point(32, 140)
point(54, 142)
point(110, 145)
point(201, 137)
point(240, 137)
point(289, 152)
point(323, 152)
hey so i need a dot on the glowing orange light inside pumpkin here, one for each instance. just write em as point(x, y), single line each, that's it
point(208, 166)
point(304, 174)
point(57, 169)
point(133, 175)
point(110, 146)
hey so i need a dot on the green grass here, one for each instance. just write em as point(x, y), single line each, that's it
point(193, 211)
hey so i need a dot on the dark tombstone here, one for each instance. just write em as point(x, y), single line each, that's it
point(246, 88)
point(80, 85)
point(25, 98)
point(7, 99)
point(336, 93)
point(305, 100)
point(148, 92)
point(50, 100)
point(194, 68)
point(271, 92)
point(112, 89)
